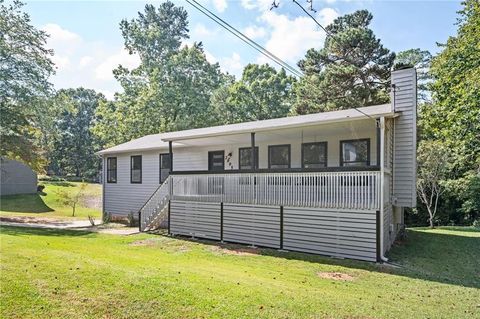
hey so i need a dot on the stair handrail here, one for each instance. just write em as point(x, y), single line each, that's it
point(142, 217)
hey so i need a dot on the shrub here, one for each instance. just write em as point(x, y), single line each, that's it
point(107, 218)
point(132, 221)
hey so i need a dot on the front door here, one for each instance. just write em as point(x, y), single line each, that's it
point(216, 161)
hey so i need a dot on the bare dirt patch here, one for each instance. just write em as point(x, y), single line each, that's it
point(94, 202)
point(146, 242)
point(335, 276)
point(236, 251)
point(31, 220)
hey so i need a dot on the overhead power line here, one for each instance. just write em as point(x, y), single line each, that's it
point(312, 17)
point(244, 38)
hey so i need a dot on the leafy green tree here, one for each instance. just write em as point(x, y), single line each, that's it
point(260, 94)
point(156, 34)
point(455, 114)
point(25, 68)
point(172, 87)
point(433, 160)
point(352, 69)
point(74, 145)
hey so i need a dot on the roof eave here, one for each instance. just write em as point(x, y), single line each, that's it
point(106, 152)
point(233, 132)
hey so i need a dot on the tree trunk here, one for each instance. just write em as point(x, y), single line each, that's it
point(73, 213)
point(431, 223)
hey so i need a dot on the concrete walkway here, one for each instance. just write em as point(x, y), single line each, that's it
point(69, 224)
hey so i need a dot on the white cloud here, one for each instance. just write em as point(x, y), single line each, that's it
point(201, 31)
point(85, 63)
point(232, 65)
point(254, 32)
point(61, 62)
point(210, 58)
point(63, 42)
point(85, 60)
point(104, 70)
point(108, 94)
point(291, 38)
point(57, 33)
point(327, 15)
point(260, 5)
point(220, 5)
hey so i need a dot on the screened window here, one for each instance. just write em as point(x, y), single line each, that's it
point(136, 169)
point(279, 156)
point(164, 167)
point(355, 152)
point(245, 157)
point(314, 155)
point(111, 170)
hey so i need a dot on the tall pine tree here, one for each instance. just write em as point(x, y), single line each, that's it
point(352, 69)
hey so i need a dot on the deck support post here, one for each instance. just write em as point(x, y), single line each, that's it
point(252, 155)
point(221, 222)
point(378, 238)
point(139, 221)
point(168, 221)
point(281, 227)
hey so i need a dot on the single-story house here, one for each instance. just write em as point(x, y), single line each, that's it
point(16, 178)
point(333, 183)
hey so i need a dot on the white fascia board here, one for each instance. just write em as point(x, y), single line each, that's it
point(374, 112)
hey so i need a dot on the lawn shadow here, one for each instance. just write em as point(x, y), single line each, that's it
point(60, 183)
point(37, 231)
point(26, 203)
point(444, 258)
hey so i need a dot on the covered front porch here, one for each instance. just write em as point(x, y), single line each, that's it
point(327, 165)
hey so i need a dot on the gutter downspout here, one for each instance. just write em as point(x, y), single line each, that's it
point(382, 187)
point(103, 186)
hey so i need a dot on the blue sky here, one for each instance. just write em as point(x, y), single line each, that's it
point(88, 44)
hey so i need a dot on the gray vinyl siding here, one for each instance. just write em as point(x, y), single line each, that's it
point(16, 178)
point(405, 138)
point(124, 197)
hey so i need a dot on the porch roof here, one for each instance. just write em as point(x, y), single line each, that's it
point(375, 111)
point(160, 141)
point(145, 143)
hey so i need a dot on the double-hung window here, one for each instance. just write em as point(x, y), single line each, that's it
point(136, 169)
point(111, 170)
point(279, 156)
point(355, 152)
point(164, 167)
point(245, 157)
point(314, 155)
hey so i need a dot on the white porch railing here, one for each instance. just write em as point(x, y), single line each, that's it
point(338, 190)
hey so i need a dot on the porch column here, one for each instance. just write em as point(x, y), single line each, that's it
point(170, 152)
point(379, 151)
point(252, 155)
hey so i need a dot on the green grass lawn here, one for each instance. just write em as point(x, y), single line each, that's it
point(48, 204)
point(77, 274)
